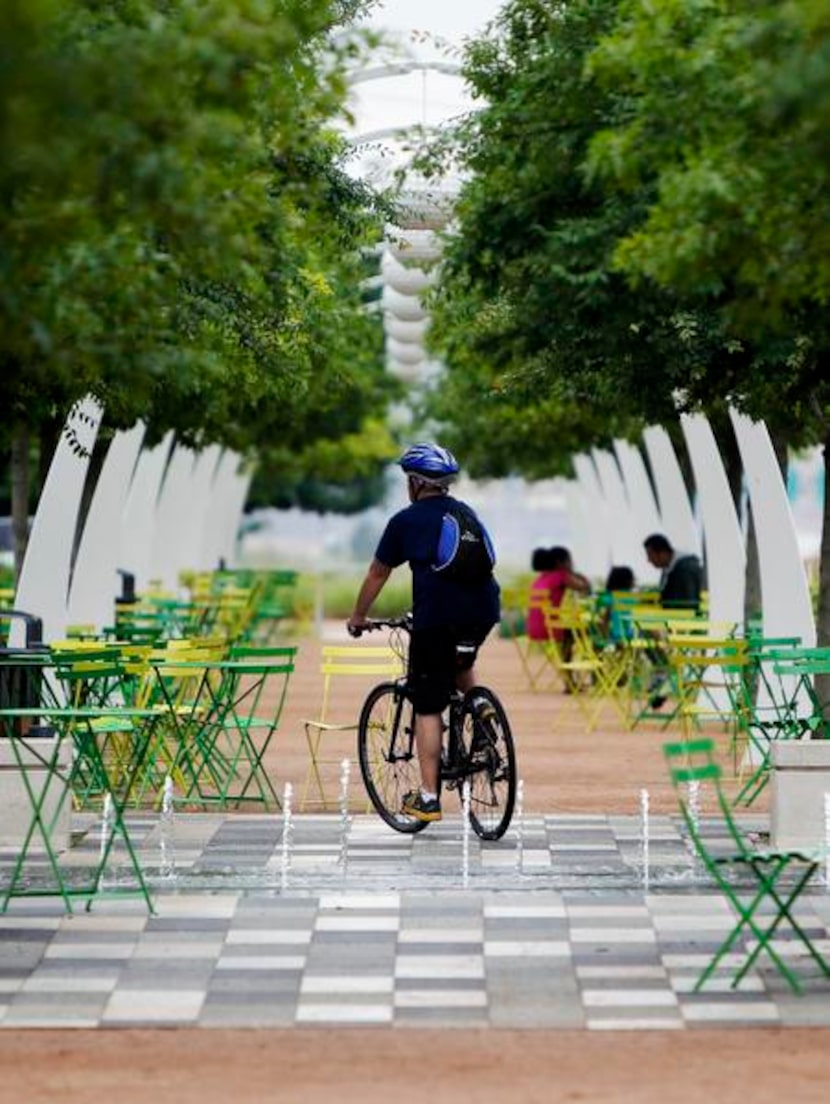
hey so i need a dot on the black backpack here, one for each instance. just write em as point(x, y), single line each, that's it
point(465, 551)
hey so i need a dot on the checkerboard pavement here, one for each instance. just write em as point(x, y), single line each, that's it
point(552, 928)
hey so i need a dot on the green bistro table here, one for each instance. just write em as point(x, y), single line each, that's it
point(83, 733)
point(225, 728)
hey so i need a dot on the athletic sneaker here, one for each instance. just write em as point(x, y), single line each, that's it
point(415, 806)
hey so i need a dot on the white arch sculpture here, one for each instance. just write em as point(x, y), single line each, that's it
point(787, 608)
point(581, 538)
point(204, 474)
point(625, 546)
point(725, 552)
point(138, 524)
point(234, 508)
point(595, 513)
point(43, 587)
point(678, 522)
point(95, 582)
point(172, 516)
point(221, 489)
point(643, 505)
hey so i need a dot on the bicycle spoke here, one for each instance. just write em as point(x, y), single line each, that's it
point(487, 745)
point(386, 749)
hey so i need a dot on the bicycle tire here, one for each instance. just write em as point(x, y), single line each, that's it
point(386, 752)
point(489, 749)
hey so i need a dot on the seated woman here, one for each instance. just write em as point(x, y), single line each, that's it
point(556, 577)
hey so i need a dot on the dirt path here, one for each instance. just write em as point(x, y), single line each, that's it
point(357, 1066)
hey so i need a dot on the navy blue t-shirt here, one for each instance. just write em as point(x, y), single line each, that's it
point(411, 536)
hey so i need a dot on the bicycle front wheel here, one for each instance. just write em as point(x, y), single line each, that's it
point(487, 744)
point(386, 750)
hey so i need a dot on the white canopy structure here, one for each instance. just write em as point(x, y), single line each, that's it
point(407, 91)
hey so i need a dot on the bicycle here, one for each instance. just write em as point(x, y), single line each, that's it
point(478, 748)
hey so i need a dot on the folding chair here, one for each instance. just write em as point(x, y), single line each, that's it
point(708, 675)
point(241, 701)
point(659, 634)
point(593, 674)
point(339, 710)
point(534, 655)
point(780, 704)
point(771, 899)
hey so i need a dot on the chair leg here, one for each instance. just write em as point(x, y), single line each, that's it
point(313, 775)
point(784, 906)
point(747, 914)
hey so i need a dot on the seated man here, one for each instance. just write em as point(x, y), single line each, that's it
point(681, 581)
point(681, 576)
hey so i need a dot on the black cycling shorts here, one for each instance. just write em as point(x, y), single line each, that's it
point(435, 658)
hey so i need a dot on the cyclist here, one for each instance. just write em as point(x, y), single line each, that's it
point(450, 618)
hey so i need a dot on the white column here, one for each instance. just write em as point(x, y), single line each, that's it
point(785, 591)
point(43, 586)
point(596, 515)
point(580, 537)
point(626, 549)
point(235, 506)
point(221, 489)
point(207, 463)
point(725, 552)
point(95, 582)
point(643, 505)
point(173, 516)
point(138, 523)
point(678, 522)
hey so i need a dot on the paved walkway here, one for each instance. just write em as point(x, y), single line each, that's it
point(552, 927)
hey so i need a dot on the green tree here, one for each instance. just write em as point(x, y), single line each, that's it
point(728, 112)
point(177, 233)
point(529, 286)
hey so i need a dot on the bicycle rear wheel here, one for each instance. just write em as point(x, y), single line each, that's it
point(386, 750)
point(487, 744)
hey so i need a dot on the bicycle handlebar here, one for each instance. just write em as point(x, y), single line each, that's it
point(375, 623)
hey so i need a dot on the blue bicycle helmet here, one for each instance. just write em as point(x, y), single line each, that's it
point(430, 461)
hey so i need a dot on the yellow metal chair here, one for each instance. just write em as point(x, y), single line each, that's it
point(339, 711)
point(539, 658)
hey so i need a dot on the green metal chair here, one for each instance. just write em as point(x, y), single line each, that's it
point(780, 703)
point(223, 730)
point(777, 877)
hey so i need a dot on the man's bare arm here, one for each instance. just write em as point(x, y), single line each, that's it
point(370, 588)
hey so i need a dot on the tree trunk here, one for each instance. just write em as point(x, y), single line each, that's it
point(823, 619)
point(20, 492)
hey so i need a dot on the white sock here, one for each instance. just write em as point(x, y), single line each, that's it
point(427, 796)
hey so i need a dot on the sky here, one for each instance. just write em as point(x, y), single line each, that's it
point(448, 18)
point(426, 97)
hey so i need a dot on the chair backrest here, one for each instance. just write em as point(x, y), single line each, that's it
point(366, 661)
point(699, 626)
point(693, 761)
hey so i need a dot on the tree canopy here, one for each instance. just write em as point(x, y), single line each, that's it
point(180, 235)
point(642, 229)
